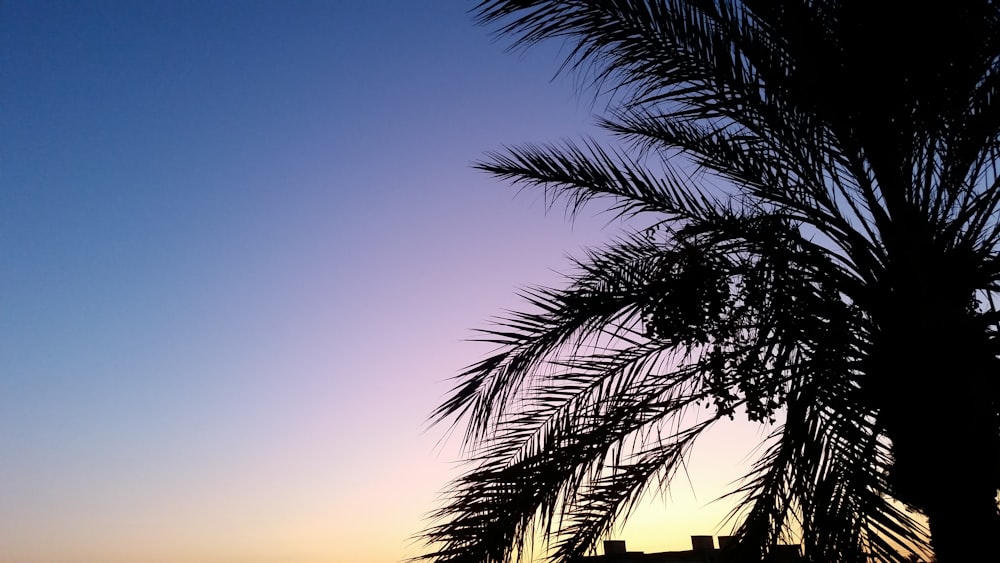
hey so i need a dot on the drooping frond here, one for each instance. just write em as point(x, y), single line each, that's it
point(576, 414)
point(582, 173)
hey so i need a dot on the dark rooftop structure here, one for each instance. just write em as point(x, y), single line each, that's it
point(702, 550)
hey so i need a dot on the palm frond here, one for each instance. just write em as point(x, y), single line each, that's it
point(582, 173)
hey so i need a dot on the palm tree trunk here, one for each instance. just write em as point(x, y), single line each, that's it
point(963, 520)
point(936, 402)
point(945, 466)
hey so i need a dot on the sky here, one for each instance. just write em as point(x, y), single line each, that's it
point(242, 251)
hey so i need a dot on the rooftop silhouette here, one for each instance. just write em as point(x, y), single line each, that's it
point(703, 550)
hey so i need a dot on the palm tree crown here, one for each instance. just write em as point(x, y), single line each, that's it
point(840, 280)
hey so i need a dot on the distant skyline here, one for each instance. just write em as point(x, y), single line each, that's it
point(241, 249)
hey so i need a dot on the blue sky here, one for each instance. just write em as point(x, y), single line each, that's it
point(241, 245)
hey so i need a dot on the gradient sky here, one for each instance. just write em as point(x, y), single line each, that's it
point(241, 245)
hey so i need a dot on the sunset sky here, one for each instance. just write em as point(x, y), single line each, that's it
point(241, 249)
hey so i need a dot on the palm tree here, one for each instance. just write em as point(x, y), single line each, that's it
point(829, 266)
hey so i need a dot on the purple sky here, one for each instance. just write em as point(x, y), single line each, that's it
point(241, 245)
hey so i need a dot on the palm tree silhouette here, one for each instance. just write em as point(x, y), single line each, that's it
point(830, 265)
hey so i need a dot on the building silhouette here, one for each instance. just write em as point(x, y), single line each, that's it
point(702, 550)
